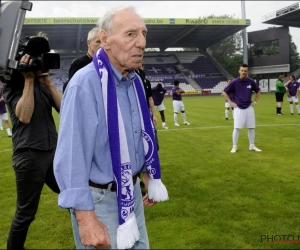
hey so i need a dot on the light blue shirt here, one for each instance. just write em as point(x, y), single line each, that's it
point(82, 152)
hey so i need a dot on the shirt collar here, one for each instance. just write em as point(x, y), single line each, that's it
point(131, 75)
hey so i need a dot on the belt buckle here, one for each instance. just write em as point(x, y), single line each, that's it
point(112, 186)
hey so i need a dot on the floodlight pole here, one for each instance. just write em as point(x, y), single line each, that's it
point(244, 33)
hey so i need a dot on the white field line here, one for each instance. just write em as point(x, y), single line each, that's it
point(186, 127)
point(5, 150)
point(183, 127)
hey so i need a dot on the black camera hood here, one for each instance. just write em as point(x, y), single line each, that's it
point(34, 46)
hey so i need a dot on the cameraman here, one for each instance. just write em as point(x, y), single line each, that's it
point(30, 98)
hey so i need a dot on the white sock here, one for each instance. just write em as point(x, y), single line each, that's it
point(8, 131)
point(175, 117)
point(183, 117)
point(163, 124)
point(291, 108)
point(226, 113)
point(251, 135)
point(235, 136)
point(298, 108)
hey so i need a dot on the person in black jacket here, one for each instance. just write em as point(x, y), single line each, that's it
point(150, 103)
point(30, 98)
point(93, 43)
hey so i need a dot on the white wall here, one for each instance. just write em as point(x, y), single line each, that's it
point(263, 83)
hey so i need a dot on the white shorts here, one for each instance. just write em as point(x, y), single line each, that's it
point(244, 118)
point(160, 107)
point(178, 105)
point(292, 99)
point(227, 105)
point(4, 117)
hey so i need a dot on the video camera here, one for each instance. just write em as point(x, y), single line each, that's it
point(38, 49)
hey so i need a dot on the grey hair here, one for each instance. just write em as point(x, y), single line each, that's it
point(106, 22)
point(42, 34)
point(92, 33)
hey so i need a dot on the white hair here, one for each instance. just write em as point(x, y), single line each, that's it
point(92, 33)
point(41, 34)
point(106, 22)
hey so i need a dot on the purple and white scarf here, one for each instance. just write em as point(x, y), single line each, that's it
point(128, 232)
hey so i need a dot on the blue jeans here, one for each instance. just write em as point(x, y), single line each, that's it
point(106, 210)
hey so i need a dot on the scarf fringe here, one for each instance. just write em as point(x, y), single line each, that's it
point(157, 190)
point(128, 233)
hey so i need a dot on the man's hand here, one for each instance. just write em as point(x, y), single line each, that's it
point(154, 120)
point(147, 202)
point(45, 80)
point(233, 104)
point(92, 231)
point(26, 59)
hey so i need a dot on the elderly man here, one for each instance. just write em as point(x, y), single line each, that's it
point(97, 163)
point(93, 43)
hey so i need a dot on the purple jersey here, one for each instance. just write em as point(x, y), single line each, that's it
point(158, 95)
point(174, 94)
point(2, 106)
point(242, 91)
point(230, 96)
point(293, 87)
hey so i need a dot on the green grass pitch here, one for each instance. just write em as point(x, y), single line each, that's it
point(218, 200)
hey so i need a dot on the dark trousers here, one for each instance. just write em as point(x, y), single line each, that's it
point(156, 138)
point(32, 168)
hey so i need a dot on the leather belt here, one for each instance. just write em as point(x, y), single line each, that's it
point(111, 185)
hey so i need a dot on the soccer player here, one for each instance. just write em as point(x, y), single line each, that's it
point(241, 88)
point(228, 105)
point(178, 104)
point(279, 94)
point(158, 95)
point(292, 92)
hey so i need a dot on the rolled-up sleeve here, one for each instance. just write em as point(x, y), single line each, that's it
point(76, 142)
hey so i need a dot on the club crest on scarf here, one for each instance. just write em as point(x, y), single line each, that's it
point(149, 149)
point(127, 199)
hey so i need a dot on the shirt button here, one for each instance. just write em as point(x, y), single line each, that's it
point(135, 131)
point(133, 110)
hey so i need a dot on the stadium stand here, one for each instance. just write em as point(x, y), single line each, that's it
point(196, 63)
point(188, 88)
point(219, 87)
point(60, 76)
point(191, 68)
